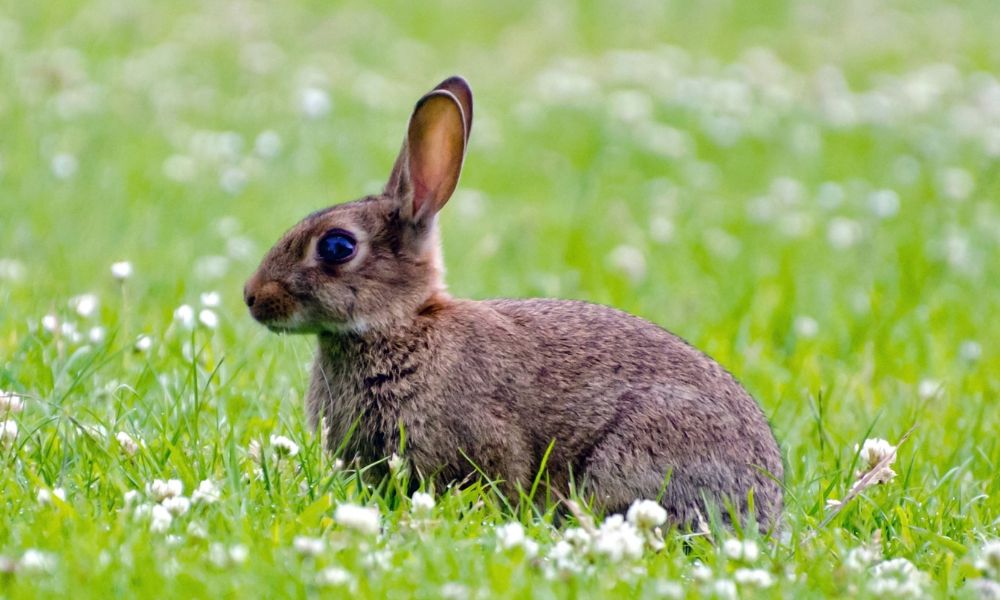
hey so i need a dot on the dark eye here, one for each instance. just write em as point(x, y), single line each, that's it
point(337, 246)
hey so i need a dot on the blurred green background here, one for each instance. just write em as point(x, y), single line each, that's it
point(807, 190)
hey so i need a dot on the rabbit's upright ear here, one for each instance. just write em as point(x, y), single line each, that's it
point(429, 165)
point(463, 93)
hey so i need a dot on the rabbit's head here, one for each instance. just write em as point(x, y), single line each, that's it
point(375, 260)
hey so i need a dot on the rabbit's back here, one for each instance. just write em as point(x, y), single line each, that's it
point(632, 404)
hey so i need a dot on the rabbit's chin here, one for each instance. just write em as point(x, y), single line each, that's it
point(299, 326)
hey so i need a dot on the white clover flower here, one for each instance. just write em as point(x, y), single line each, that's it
point(661, 229)
point(564, 555)
point(180, 168)
point(511, 536)
point(11, 269)
point(970, 351)
point(45, 496)
point(85, 305)
point(958, 250)
point(725, 589)
point(173, 540)
point(127, 444)
point(211, 299)
point(396, 463)
point(160, 519)
point(630, 261)
point(746, 550)
point(379, 560)
point(753, 577)
point(308, 546)
point(208, 318)
point(267, 144)
point(454, 591)
point(240, 248)
point(334, 576)
point(238, 553)
point(566, 558)
point(646, 514)
point(985, 589)
point(284, 446)
point(751, 552)
point(702, 572)
point(232, 180)
point(360, 518)
point(197, 530)
point(217, 555)
point(162, 489)
point(421, 503)
point(177, 505)
point(873, 452)
point(211, 267)
point(254, 451)
point(843, 233)
point(64, 165)
point(732, 548)
point(70, 332)
point(143, 343)
point(97, 431)
point(96, 334)
point(806, 326)
point(884, 203)
point(185, 316)
point(928, 388)
point(130, 497)
point(668, 589)
point(859, 559)
point(37, 560)
point(577, 537)
point(314, 102)
point(989, 559)
point(143, 511)
point(10, 403)
point(897, 577)
point(830, 195)
point(956, 183)
point(631, 106)
point(8, 433)
point(207, 493)
point(617, 540)
point(50, 323)
point(121, 270)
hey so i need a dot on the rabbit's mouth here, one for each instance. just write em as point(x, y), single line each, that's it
point(292, 327)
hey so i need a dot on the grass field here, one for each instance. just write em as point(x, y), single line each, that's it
point(808, 191)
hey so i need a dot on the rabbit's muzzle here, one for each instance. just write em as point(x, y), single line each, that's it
point(269, 302)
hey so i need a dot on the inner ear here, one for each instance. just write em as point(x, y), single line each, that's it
point(460, 89)
point(435, 150)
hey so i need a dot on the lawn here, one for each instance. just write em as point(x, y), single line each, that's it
point(809, 191)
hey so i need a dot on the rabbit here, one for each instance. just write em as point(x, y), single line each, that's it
point(484, 387)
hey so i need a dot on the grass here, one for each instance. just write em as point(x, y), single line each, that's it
point(808, 191)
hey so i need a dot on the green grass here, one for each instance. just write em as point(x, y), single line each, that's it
point(812, 188)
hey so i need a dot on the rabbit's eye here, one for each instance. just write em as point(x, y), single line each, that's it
point(337, 246)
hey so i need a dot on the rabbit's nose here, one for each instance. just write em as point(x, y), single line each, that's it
point(248, 297)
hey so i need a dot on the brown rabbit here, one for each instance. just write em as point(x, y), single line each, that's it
point(633, 411)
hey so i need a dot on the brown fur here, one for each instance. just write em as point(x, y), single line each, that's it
point(627, 404)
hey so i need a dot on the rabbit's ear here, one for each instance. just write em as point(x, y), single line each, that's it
point(463, 93)
point(429, 165)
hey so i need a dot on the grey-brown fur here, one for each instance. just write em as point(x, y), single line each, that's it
point(627, 404)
